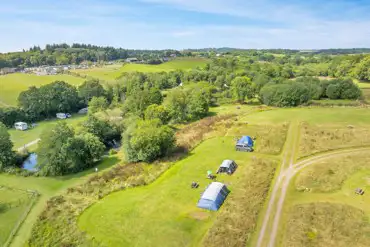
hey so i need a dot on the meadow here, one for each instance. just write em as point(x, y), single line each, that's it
point(46, 187)
point(165, 211)
point(12, 85)
point(141, 215)
point(112, 72)
point(322, 208)
point(13, 206)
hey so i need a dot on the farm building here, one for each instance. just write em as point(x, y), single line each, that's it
point(63, 115)
point(227, 166)
point(21, 126)
point(244, 144)
point(213, 197)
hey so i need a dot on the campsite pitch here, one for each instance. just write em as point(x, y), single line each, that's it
point(164, 212)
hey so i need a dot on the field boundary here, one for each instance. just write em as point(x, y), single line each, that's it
point(20, 221)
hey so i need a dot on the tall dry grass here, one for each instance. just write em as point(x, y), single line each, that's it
point(329, 175)
point(326, 225)
point(316, 138)
point(237, 219)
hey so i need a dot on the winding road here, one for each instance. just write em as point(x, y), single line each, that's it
point(289, 168)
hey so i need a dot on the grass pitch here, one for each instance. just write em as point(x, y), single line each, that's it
point(165, 211)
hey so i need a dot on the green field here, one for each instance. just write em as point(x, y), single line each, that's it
point(111, 72)
point(12, 85)
point(164, 212)
point(47, 187)
point(20, 138)
point(13, 205)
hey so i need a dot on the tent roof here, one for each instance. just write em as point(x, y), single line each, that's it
point(212, 191)
point(226, 163)
point(245, 139)
point(20, 123)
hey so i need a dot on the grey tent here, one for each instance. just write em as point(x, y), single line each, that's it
point(227, 166)
point(213, 197)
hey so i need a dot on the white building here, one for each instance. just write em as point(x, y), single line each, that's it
point(21, 126)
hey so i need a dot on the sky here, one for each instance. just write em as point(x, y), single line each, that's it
point(182, 24)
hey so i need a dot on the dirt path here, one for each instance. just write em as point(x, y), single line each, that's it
point(288, 157)
point(275, 206)
point(28, 145)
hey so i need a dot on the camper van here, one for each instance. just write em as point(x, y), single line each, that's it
point(63, 115)
point(21, 126)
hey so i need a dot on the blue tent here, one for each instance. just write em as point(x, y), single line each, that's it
point(245, 140)
point(213, 197)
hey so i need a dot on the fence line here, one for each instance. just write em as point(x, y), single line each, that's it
point(16, 227)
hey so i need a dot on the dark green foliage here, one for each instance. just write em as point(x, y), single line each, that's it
point(7, 155)
point(103, 129)
point(333, 91)
point(61, 152)
point(343, 89)
point(49, 99)
point(10, 115)
point(147, 141)
point(286, 94)
point(90, 89)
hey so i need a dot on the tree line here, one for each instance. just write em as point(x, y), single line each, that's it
point(62, 54)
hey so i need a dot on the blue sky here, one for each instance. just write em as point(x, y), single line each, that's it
point(181, 24)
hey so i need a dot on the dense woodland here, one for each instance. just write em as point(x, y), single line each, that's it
point(152, 102)
point(62, 54)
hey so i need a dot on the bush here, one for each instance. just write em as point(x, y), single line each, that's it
point(286, 94)
point(147, 141)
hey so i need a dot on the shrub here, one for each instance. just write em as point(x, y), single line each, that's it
point(148, 140)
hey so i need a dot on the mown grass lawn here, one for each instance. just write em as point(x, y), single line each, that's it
point(164, 212)
point(314, 115)
point(20, 138)
point(13, 204)
point(12, 85)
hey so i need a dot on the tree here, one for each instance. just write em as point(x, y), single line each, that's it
point(7, 155)
point(81, 151)
point(139, 100)
point(51, 161)
point(90, 89)
point(157, 111)
point(61, 152)
point(104, 130)
point(197, 105)
point(97, 104)
point(148, 140)
point(285, 94)
point(333, 91)
point(242, 88)
point(49, 99)
point(176, 104)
